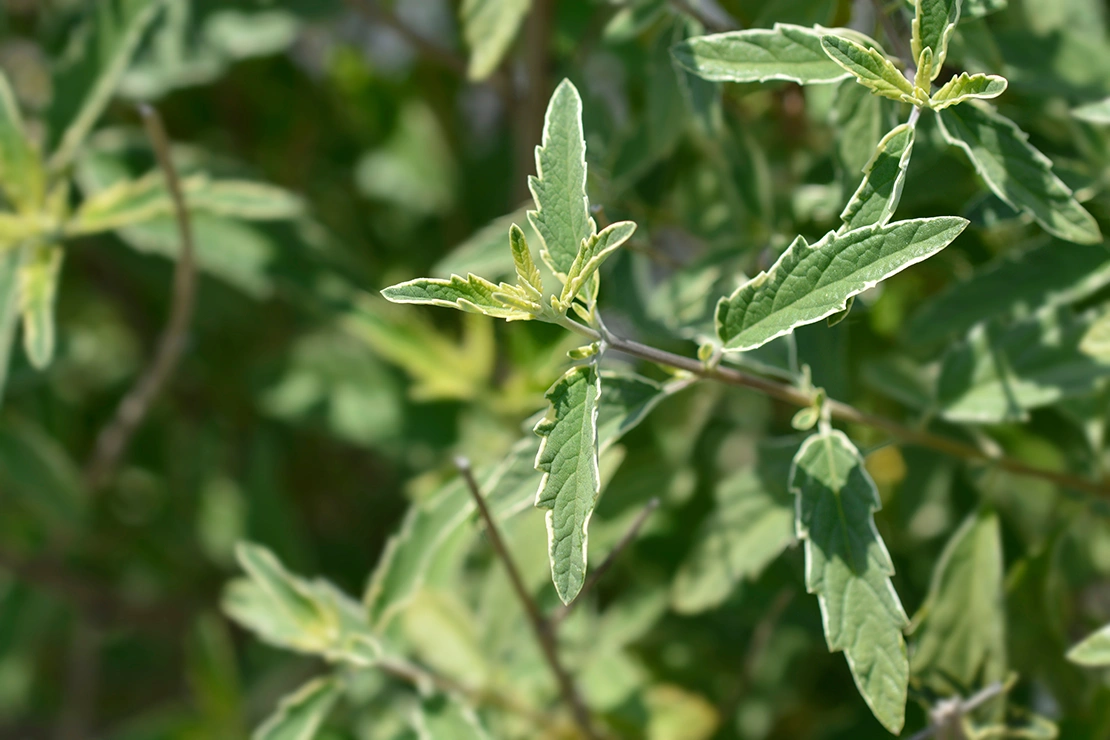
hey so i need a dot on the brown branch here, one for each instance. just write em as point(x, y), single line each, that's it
point(113, 439)
point(543, 629)
point(595, 576)
point(839, 410)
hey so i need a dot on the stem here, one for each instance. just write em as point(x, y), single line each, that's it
point(837, 410)
point(558, 617)
point(113, 439)
point(543, 629)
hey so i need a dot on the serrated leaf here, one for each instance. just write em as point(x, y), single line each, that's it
point(300, 714)
point(1098, 112)
point(964, 87)
point(10, 260)
point(1093, 651)
point(489, 28)
point(38, 289)
point(809, 283)
point(785, 52)
point(870, 68)
point(1002, 371)
point(527, 274)
point(750, 525)
point(876, 199)
point(571, 481)
point(849, 569)
point(593, 252)
point(85, 86)
point(21, 175)
point(562, 215)
point(961, 646)
point(509, 487)
point(1017, 172)
point(1033, 278)
point(933, 24)
point(472, 293)
point(441, 717)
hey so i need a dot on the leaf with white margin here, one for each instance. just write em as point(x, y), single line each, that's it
point(1017, 172)
point(933, 24)
point(849, 569)
point(870, 68)
point(1093, 651)
point(593, 252)
point(1098, 112)
point(785, 52)
point(961, 645)
point(300, 714)
point(472, 294)
point(1002, 371)
point(876, 199)
point(527, 273)
point(38, 290)
point(562, 215)
point(810, 283)
point(967, 87)
point(572, 481)
point(441, 717)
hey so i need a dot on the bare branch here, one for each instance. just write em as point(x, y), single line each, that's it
point(113, 439)
point(543, 629)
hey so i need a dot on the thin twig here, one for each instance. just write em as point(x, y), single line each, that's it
point(113, 439)
point(595, 576)
point(841, 411)
point(543, 629)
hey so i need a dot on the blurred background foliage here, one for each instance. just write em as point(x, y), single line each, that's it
point(308, 413)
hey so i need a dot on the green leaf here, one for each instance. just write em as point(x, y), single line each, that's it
point(10, 260)
point(1096, 340)
point(962, 644)
point(966, 87)
point(473, 294)
point(751, 523)
point(1017, 282)
point(980, 8)
point(38, 289)
point(483, 252)
point(300, 714)
point(1017, 172)
point(876, 199)
point(562, 215)
point(809, 283)
point(527, 274)
point(785, 52)
point(83, 89)
point(131, 202)
point(21, 175)
point(849, 569)
point(870, 68)
point(440, 717)
point(571, 482)
point(1098, 112)
point(1002, 371)
point(593, 252)
point(1094, 650)
point(933, 24)
point(489, 27)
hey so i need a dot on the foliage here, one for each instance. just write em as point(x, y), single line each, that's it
point(851, 363)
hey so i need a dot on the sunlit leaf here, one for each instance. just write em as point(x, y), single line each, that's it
point(1093, 650)
point(849, 569)
point(562, 216)
point(967, 87)
point(1002, 371)
point(444, 718)
point(785, 52)
point(571, 482)
point(21, 174)
point(876, 199)
point(810, 283)
point(593, 252)
point(300, 714)
point(490, 27)
point(933, 24)
point(1017, 172)
point(472, 293)
point(1098, 112)
point(38, 289)
point(870, 68)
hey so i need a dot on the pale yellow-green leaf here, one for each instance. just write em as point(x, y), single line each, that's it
point(21, 174)
point(591, 254)
point(966, 87)
point(300, 714)
point(490, 27)
point(472, 293)
point(933, 25)
point(870, 68)
point(38, 290)
point(1094, 650)
point(527, 273)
